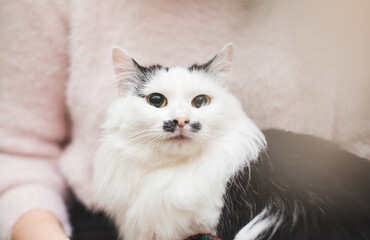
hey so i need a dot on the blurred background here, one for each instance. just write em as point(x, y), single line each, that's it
point(299, 65)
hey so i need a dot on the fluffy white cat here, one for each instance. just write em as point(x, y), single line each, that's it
point(171, 142)
point(179, 157)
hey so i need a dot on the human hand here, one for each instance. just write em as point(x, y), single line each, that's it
point(38, 224)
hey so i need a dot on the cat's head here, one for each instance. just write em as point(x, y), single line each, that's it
point(176, 111)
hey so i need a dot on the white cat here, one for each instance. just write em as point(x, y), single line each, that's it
point(171, 142)
point(179, 157)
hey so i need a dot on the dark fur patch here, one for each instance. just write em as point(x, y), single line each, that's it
point(169, 126)
point(203, 67)
point(195, 127)
point(145, 74)
point(315, 189)
point(148, 71)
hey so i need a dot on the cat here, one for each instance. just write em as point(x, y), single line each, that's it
point(179, 157)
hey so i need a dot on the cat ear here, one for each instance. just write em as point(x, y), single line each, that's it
point(221, 63)
point(126, 69)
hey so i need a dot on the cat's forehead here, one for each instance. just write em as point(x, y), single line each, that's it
point(180, 79)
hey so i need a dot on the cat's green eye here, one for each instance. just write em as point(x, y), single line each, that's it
point(157, 100)
point(200, 101)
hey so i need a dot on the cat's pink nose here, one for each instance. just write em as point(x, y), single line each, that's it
point(181, 122)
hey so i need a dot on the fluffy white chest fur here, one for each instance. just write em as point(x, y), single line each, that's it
point(171, 142)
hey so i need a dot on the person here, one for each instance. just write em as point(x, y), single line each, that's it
point(300, 66)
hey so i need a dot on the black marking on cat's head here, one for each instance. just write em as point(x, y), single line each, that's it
point(195, 127)
point(169, 126)
point(203, 67)
point(145, 74)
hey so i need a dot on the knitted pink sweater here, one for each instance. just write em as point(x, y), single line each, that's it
point(56, 80)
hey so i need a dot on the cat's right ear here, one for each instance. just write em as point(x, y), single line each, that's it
point(126, 69)
point(220, 65)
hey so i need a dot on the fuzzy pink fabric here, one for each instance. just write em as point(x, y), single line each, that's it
point(299, 65)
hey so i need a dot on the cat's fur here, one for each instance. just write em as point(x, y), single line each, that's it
point(160, 181)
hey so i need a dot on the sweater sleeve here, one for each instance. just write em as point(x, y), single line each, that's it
point(33, 118)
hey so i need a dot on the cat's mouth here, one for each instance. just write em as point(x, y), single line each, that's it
point(179, 138)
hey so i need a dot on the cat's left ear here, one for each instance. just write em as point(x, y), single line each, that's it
point(221, 64)
point(126, 69)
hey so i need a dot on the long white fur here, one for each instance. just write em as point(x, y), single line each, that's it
point(258, 226)
point(158, 189)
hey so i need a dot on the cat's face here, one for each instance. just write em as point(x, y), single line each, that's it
point(176, 111)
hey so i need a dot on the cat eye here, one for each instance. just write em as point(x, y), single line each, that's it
point(200, 101)
point(157, 100)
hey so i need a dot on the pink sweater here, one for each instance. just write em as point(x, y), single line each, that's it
point(294, 69)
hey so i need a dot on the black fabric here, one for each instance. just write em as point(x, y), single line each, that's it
point(90, 226)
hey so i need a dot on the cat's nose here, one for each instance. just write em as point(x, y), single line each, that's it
point(181, 122)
